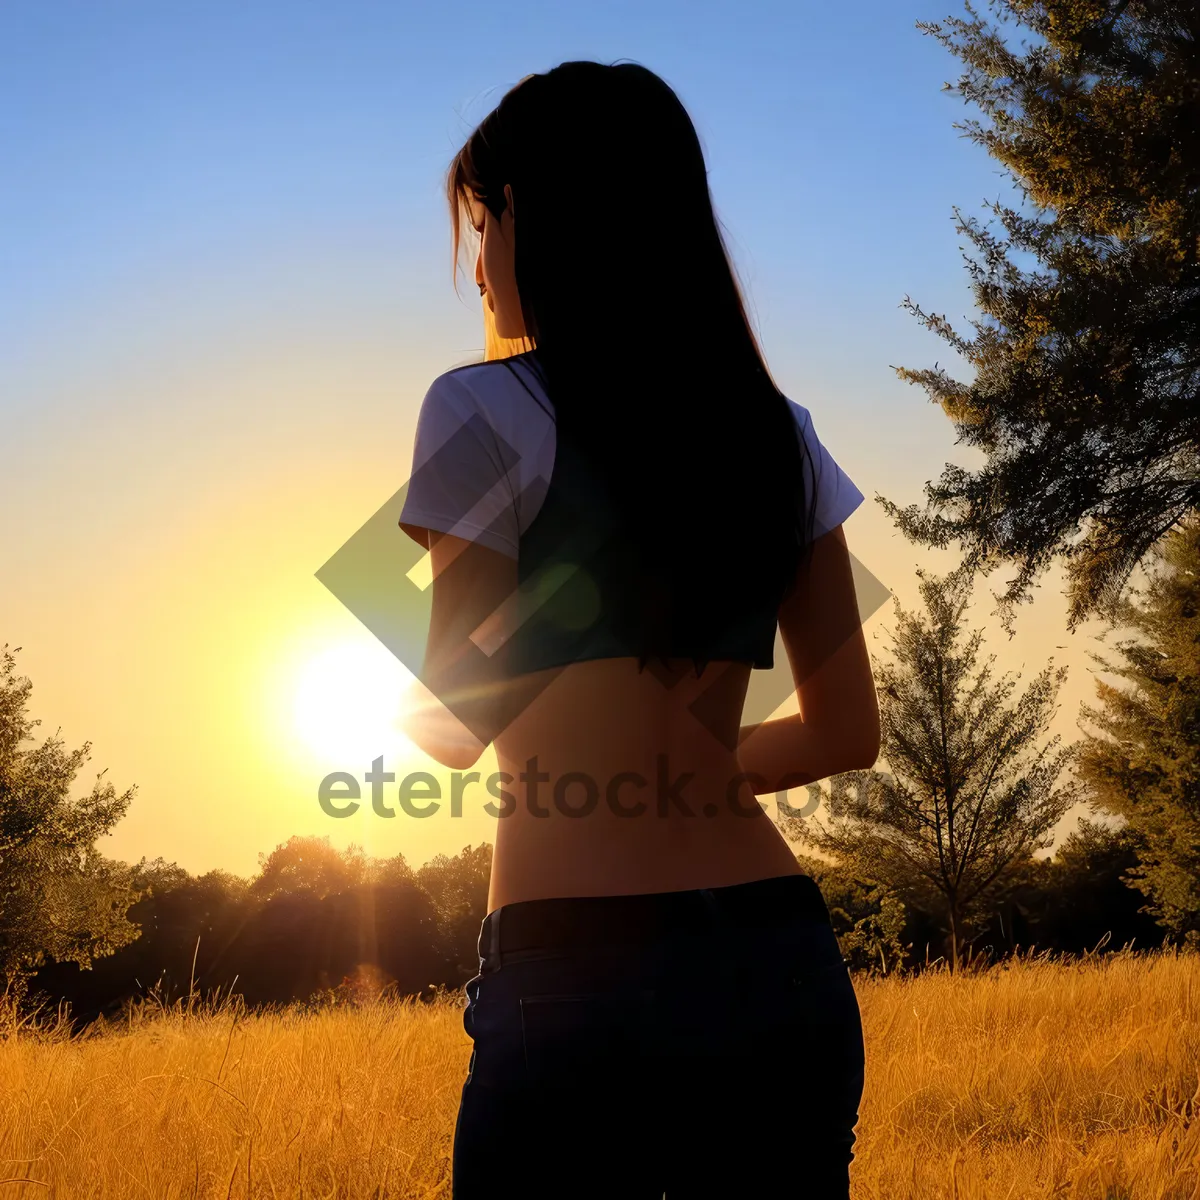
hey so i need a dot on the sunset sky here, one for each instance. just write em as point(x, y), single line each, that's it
point(226, 286)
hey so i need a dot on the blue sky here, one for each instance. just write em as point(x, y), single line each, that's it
point(155, 152)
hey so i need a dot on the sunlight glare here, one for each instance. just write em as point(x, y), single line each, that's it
point(348, 704)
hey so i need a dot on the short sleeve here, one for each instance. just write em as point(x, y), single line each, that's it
point(460, 482)
point(836, 494)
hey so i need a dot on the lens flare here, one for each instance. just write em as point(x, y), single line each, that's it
point(348, 703)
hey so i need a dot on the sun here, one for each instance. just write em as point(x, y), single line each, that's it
point(348, 704)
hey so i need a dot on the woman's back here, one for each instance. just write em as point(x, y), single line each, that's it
point(620, 787)
point(612, 779)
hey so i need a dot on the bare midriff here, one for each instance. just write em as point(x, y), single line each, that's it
point(618, 787)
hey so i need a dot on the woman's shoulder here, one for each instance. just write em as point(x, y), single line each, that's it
point(507, 391)
point(496, 411)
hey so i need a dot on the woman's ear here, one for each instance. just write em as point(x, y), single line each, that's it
point(508, 197)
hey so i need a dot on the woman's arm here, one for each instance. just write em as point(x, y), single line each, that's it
point(465, 695)
point(837, 728)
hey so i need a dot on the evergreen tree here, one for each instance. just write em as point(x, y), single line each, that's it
point(1144, 764)
point(1084, 400)
point(972, 788)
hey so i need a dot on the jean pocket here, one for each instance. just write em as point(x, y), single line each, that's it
point(585, 1039)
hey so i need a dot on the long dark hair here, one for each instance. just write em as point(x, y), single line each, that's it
point(639, 330)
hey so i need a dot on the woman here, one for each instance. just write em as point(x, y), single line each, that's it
point(620, 513)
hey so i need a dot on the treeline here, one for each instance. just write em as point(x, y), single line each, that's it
point(314, 920)
point(317, 919)
point(1073, 903)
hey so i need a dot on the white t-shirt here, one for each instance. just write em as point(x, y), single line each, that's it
point(493, 436)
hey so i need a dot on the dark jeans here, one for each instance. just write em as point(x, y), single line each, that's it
point(692, 1044)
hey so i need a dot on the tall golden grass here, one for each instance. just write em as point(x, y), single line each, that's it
point(1033, 1079)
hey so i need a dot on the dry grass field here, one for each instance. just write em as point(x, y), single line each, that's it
point(1036, 1079)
